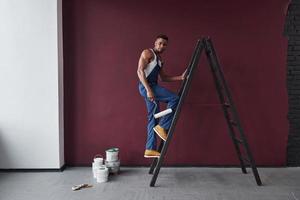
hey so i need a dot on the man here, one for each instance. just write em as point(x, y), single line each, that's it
point(150, 66)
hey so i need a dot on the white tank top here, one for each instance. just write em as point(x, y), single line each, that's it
point(152, 64)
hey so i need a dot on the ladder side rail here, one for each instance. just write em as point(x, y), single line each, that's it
point(154, 162)
point(200, 47)
point(216, 64)
point(225, 109)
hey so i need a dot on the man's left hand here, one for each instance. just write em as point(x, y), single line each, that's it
point(183, 75)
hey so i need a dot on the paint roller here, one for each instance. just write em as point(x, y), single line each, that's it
point(162, 113)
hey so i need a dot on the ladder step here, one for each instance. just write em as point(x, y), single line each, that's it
point(233, 123)
point(238, 140)
point(227, 105)
point(246, 160)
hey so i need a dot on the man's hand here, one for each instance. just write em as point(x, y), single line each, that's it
point(150, 95)
point(166, 78)
point(183, 75)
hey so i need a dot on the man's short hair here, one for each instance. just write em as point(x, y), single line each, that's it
point(162, 36)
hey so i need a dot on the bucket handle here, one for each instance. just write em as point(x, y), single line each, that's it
point(98, 155)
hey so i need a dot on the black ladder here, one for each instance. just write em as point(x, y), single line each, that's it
point(234, 125)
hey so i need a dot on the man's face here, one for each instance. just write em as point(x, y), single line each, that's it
point(160, 45)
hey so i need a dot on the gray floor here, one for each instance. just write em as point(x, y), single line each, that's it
point(172, 183)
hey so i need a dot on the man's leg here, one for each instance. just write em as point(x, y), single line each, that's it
point(151, 136)
point(166, 96)
point(150, 151)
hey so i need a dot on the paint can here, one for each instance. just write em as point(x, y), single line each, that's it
point(113, 166)
point(98, 159)
point(102, 174)
point(98, 162)
point(112, 154)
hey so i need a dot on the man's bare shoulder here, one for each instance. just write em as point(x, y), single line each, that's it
point(147, 54)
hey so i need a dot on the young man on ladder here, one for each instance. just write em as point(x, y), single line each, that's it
point(149, 67)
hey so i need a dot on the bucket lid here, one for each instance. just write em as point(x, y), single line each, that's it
point(98, 156)
point(112, 149)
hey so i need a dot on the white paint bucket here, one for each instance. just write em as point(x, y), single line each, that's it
point(94, 168)
point(113, 166)
point(98, 159)
point(112, 154)
point(98, 162)
point(102, 174)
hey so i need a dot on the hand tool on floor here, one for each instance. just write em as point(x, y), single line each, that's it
point(78, 187)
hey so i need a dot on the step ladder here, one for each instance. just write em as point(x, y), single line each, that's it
point(235, 129)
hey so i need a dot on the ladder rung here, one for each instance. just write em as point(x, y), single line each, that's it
point(246, 160)
point(238, 140)
point(227, 105)
point(233, 123)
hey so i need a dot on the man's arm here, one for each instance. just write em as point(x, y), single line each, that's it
point(166, 78)
point(145, 58)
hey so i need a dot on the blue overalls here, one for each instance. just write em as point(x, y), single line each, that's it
point(161, 94)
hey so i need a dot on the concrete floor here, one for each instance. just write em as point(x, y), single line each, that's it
point(172, 184)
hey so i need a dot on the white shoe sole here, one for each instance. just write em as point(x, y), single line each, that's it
point(158, 134)
point(151, 156)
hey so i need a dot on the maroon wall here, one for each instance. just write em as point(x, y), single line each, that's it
point(103, 41)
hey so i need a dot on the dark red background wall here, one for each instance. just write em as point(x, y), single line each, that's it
point(103, 41)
